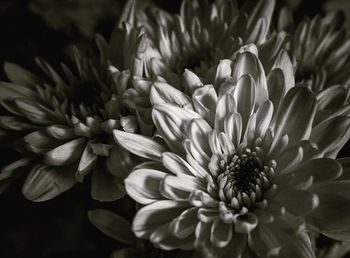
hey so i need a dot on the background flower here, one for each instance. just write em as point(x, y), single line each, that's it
point(238, 170)
point(62, 126)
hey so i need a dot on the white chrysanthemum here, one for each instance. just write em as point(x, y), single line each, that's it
point(239, 169)
point(322, 50)
point(61, 126)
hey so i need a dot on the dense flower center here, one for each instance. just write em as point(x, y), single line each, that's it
point(244, 179)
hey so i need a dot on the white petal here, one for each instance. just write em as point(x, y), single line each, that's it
point(164, 93)
point(226, 105)
point(143, 185)
point(139, 145)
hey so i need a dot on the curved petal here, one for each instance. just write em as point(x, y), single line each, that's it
point(295, 115)
point(155, 215)
point(65, 153)
point(245, 98)
point(164, 93)
point(180, 187)
point(226, 105)
point(221, 233)
point(331, 135)
point(139, 145)
point(204, 102)
point(175, 164)
point(249, 64)
point(143, 185)
point(333, 211)
point(185, 224)
point(171, 122)
point(44, 183)
point(264, 241)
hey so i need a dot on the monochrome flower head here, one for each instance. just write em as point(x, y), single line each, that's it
point(61, 126)
point(322, 50)
point(237, 167)
point(202, 33)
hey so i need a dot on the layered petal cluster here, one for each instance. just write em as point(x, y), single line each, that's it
point(237, 167)
point(202, 34)
point(322, 50)
point(198, 38)
point(61, 125)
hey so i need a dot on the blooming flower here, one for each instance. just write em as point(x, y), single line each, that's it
point(324, 69)
point(239, 169)
point(198, 38)
point(322, 50)
point(62, 126)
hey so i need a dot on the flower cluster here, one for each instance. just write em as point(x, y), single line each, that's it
point(222, 130)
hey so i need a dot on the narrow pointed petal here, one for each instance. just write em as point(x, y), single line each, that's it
point(164, 93)
point(140, 145)
point(295, 115)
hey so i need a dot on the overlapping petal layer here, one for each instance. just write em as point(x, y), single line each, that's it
point(62, 126)
point(244, 169)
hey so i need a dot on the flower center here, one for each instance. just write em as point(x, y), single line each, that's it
point(244, 179)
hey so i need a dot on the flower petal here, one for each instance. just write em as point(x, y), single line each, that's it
point(139, 145)
point(249, 64)
point(332, 212)
point(284, 63)
point(221, 233)
point(175, 164)
point(204, 101)
point(143, 185)
point(276, 87)
point(320, 169)
point(180, 187)
point(331, 135)
point(185, 224)
point(264, 242)
point(65, 153)
point(245, 98)
point(44, 183)
point(226, 105)
point(155, 215)
point(164, 93)
point(295, 115)
point(171, 122)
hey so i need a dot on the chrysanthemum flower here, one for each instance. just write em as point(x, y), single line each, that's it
point(198, 38)
point(322, 50)
point(61, 126)
point(202, 34)
point(239, 170)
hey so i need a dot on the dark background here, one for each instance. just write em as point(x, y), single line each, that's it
point(60, 228)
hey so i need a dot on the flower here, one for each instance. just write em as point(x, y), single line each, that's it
point(322, 50)
point(61, 126)
point(198, 38)
point(237, 168)
point(202, 34)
